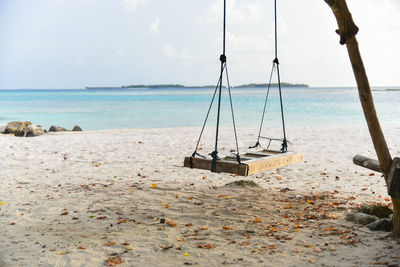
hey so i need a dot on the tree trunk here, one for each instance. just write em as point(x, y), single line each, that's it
point(347, 31)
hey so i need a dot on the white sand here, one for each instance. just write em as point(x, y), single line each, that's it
point(101, 181)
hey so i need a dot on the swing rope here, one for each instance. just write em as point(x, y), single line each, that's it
point(218, 89)
point(275, 66)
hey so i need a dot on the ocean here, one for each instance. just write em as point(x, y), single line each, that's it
point(175, 107)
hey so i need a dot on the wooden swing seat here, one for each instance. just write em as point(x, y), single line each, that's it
point(252, 162)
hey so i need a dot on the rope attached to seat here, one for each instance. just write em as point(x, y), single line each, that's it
point(218, 89)
point(275, 66)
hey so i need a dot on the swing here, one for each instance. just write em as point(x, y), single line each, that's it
point(257, 159)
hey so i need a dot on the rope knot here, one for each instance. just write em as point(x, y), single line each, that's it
point(238, 158)
point(276, 61)
point(214, 155)
point(284, 146)
point(222, 58)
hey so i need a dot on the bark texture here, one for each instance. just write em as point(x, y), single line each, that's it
point(347, 31)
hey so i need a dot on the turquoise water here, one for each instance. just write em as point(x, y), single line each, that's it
point(159, 108)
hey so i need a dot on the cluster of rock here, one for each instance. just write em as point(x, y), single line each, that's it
point(375, 217)
point(28, 129)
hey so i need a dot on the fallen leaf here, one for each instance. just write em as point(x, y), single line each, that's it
point(122, 221)
point(101, 218)
point(333, 216)
point(112, 261)
point(65, 213)
point(2, 203)
point(246, 235)
point(176, 196)
point(80, 247)
point(312, 261)
point(207, 246)
point(167, 206)
point(204, 177)
point(203, 228)
point(188, 224)
point(166, 247)
point(171, 223)
point(257, 220)
point(186, 254)
point(227, 228)
point(375, 263)
point(62, 252)
point(189, 197)
point(154, 185)
point(110, 244)
point(351, 242)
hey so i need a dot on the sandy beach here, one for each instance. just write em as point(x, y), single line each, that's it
point(122, 197)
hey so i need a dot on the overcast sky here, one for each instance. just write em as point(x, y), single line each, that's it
point(77, 43)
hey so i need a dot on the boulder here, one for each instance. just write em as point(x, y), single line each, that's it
point(54, 128)
point(361, 218)
point(381, 225)
point(34, 130)
point(17, 128)
point(377, 210)
point(77, 129)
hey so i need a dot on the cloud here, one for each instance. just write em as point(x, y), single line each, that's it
point(155, 25)
point(238, 11)
point(133, 4)
point(174, 53)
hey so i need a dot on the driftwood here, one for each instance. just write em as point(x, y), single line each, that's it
point(368, 163)
point(347, 31)
point(393, 182)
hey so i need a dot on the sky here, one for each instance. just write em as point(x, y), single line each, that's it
point(66, 44)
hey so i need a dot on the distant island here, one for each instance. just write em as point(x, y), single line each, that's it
point(160, 86)
point(262, 85)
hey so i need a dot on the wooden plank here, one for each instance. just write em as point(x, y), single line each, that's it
point(233, 157)
point(267, 151)
point(257, 154)
point(273, 162)
point(366, 162)
point(221, 166)
point(250, 166)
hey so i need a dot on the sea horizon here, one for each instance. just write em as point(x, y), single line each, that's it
point(122, 108)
